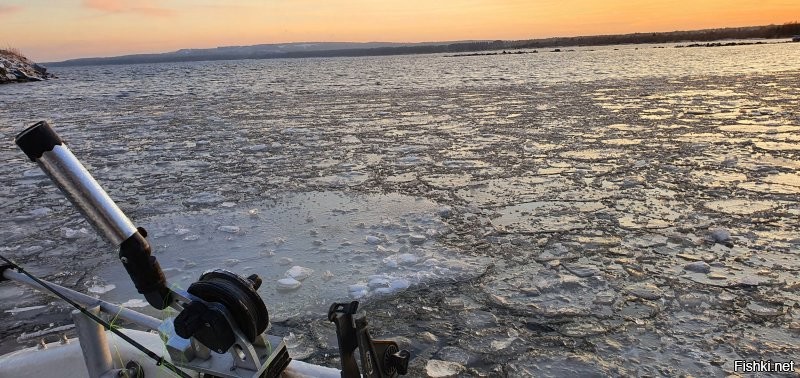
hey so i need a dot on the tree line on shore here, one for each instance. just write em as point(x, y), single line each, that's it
point(767, 32)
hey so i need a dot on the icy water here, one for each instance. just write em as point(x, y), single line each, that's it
point(608, 211)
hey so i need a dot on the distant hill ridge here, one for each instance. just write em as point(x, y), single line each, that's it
point(340, 49)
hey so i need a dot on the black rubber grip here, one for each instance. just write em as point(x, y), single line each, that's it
point(38, 139)
point(145, 271)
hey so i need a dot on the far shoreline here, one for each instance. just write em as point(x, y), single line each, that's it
point(768, 32)
point(561, 50)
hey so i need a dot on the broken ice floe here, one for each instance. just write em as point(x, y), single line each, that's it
point(288, 283)
point(299, 273)
point(101, 289)
point(135, 303)
point(689, 151)
point(17, 310)
point(399, 249)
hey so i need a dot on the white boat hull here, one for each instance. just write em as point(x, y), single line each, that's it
point(66, 360)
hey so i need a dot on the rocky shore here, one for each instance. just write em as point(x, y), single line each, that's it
point(15, 68)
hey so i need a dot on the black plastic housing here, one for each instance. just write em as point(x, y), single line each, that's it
point(38, 139)
point(146, 273)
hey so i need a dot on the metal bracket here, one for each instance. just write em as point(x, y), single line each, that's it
point(379, 358)
point(94, 345)
point(265, 358)
point(243, 359)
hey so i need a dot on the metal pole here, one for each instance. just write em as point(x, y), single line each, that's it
point(42, 145)
point(88, 301)
point(86, 194)
point(94, 343)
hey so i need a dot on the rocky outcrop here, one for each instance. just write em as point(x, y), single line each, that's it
point(15, 68)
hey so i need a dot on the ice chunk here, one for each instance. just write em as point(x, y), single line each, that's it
point(407, 259)
point(502, 344)
point(454, 354)
point(256, 148)
point(71, 234)
point(298, 272)
point(231, 262)
point(285, 261)
point(764, 310)
point(644, 291)
point(100, 289)
point(416, 239)
point(135, 303)
point(479, 319)
point(399, 284)
point(428, 337)
point(229, 229)
point(750, 281)
point(204, 199)
point(721, 236)
point(378, 282)
point(582, 270)
point(431, 262)
point(17, 310)
point(40, 212)
point(698, 267)
point(357, 287)
point(439, 368)
point(33, 173)
point(288, 284)
point(350, 139)
point(358, 291)
point(402, 259)
point(383, 250)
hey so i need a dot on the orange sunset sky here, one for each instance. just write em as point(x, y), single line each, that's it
point(50, 30)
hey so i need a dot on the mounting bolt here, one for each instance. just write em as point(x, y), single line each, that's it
point(124, 260)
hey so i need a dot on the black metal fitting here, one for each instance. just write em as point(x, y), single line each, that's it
point(379, 358)
point(3, 269)
point(219, 291)
point(205, 322)
point(146, 273)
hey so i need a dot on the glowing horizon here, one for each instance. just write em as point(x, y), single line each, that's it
point(88, 28)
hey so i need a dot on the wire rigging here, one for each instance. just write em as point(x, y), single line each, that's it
point(160, 360)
